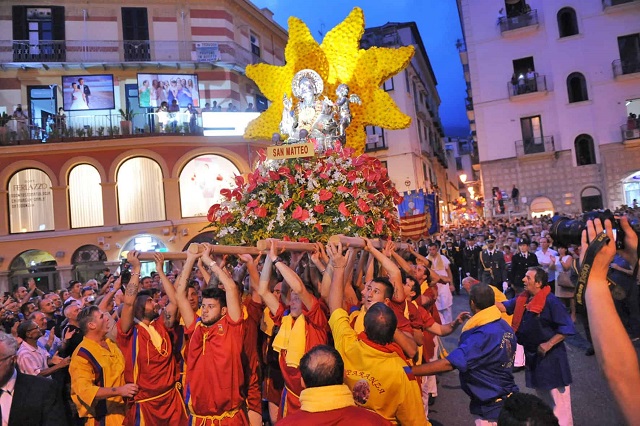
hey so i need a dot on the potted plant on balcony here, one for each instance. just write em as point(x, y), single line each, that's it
point(125, 122)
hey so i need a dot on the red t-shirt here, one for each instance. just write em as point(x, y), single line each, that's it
point(214, 367)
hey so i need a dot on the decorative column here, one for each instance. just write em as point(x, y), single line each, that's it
point(109, 204)
point(65, 274)
point(4, 281)
point(172, 198)
point(4, 213)
point(60, 208)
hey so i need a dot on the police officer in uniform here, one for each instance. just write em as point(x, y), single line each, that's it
point(454, 254)
point(470, 257)
point(491, 265)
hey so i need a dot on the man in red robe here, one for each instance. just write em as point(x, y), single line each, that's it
point(215, 377)
point(146, 343)
point(304, 327)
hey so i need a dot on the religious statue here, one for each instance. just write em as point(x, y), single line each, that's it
point(313, 119)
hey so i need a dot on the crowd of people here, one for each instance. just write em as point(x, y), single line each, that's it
point(331, 336)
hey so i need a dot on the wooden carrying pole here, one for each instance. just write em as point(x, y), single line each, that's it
point(263, 246)
point(357, 242)
point(199, 248)
point(285, 245)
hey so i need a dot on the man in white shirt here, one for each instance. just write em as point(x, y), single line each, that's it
point(547, 259)
point(444, 302)
point(32, 359)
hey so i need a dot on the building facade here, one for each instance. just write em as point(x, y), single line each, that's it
point(553, 93)
point(79, 188)
point(415, 156)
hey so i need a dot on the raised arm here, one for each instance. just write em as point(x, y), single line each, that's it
point(181, 291)
point(126, 318)
point(614, 350)
point(109, 295)
point(234, 305)
point(338, 263)
point(290, 276)
point(254, 276)
point(205, 274)
point(171, 310)
point(268, 298)
point(395, 276)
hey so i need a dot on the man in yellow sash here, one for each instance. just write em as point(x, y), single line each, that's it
point(484, 358)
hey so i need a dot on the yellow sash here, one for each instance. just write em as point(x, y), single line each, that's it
point(292, 337)
point(267, 324)
point(155, 337)
point(485, 316)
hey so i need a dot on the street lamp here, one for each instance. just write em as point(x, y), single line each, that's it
point(463, 177)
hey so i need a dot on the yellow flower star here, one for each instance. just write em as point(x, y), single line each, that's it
point(338, 60)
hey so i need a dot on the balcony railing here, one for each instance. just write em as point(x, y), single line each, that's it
point(625, 66)
point(524, 85)
point(119, 51)
point(630, 130)
point(535, 146)
point(99, 126)
point(609, 3)
point(520, 21)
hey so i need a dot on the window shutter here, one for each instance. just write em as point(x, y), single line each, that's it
point(19, 23)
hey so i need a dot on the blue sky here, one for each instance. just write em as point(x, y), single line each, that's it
point(439, 27)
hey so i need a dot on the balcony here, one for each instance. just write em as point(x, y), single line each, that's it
point(624, 67)
point(527, 21)
point(631, 132)
point(527, 86)
point(535, 146)
point(79, 128)
point(23, 53)
point(614, 5)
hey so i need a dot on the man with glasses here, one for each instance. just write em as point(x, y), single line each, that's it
point(25, 399)
point(32, 359)
point(98, 387)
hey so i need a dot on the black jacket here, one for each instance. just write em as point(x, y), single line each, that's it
point(519, 266)
point(36, 402)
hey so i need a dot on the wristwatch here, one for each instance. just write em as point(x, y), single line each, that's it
point(277, 259)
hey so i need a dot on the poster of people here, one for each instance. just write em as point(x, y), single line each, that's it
point(87, 92)
point(157, 88)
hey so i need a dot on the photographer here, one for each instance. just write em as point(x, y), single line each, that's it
point(614, 351)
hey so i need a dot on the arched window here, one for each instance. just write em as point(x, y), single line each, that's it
point(140, 191)
point(591, 199)
point(585, 153)
point(577, 87)
point(85, 197)
point(30, 201)
point(567, 22)
point(201, 181)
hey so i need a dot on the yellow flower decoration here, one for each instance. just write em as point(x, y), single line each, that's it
point(338, 60)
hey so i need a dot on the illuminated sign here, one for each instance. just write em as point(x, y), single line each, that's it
point(226, 123)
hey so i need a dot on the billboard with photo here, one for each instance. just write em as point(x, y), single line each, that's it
point(153, 89)
point(87, 92)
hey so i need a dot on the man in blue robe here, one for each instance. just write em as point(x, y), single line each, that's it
point(541, 323)
point(484, 358)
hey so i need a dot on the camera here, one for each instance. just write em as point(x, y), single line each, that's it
point(91, 299)
point(569, 231)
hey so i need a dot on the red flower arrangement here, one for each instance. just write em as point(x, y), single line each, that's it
point(308, 199)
